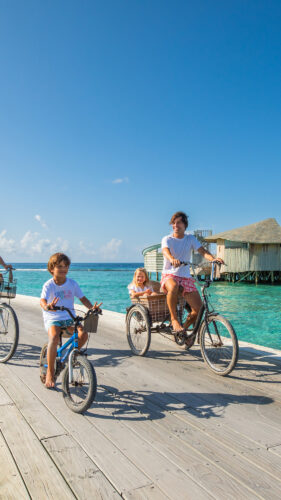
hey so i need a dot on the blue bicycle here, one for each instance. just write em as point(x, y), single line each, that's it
point(79, 381)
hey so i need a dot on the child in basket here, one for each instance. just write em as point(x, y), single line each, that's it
point(140, 286)
point(60, 290)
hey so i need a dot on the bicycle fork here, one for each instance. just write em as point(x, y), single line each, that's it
point(70, 366)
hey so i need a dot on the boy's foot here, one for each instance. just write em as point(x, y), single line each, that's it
point(50, 383)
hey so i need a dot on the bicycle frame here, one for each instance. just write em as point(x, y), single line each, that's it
point(72, 345)
point(204, 307)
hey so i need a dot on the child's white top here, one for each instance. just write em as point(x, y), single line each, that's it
point(134, 288)
point(65, 293)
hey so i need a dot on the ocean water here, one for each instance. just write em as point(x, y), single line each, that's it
point(255, 311)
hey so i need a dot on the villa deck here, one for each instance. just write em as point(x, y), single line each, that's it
point(161, 427)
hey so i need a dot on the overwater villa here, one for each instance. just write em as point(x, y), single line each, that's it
point(251, 253)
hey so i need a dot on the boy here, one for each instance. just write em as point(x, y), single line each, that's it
point(60, 290)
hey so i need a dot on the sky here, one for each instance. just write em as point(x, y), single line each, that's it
point(117, 113)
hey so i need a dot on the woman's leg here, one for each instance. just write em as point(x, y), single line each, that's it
point(172, 298)
point(195, 302)
point(53, 333)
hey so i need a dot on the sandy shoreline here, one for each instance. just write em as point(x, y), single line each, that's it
point(119, 322)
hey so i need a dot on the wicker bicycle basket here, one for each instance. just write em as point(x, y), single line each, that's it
point(157, 306)
point(8, 289)
point(91, 323)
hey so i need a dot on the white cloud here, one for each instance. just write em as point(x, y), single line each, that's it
point(28, 239)
point(59, 245)
point(32, 244)
point(7, 246)
point(111, 249)
point(86, 249)
point(120, 180)
point(40, 220)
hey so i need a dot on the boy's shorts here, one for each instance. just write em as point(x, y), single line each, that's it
point(63, 323)
point(187, 283)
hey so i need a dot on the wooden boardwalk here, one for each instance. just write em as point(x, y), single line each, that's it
point(161, 427)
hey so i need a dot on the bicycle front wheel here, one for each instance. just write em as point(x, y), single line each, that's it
point(43, 363)
point(9, 332)
point(219, 345)
point(138, 330)
point(81, 391)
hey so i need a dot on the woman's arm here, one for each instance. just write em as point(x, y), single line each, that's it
point(166, 252)
point(2, 263)
point(208, 256)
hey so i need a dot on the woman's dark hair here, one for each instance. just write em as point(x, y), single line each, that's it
point(183, 216)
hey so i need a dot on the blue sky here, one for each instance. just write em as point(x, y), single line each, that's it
point(115, 114)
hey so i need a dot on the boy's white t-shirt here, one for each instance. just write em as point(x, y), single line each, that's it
point(65, 293)
point(180, 249)
point(134, 288)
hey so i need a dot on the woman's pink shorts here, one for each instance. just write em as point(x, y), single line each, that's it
point(187, 283)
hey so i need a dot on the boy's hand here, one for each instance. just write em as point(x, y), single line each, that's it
point(53, 303)
point(97, 306)
point(148, 292)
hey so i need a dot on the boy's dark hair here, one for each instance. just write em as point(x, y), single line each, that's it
point(56, 259)
point(183, 216)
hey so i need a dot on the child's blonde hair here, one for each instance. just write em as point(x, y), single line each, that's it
point(144, 271)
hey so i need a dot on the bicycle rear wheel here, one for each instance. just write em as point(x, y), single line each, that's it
point(9, 332)
point(138, 330)
point(81, 391)
point(219, 345)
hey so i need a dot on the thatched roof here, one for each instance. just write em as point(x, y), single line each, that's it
point(266, 231)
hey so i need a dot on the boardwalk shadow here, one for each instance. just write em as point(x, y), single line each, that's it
point(143, 405)
point(258, 366)
point(114, 357)
point(29, 354)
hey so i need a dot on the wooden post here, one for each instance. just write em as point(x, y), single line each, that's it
point(256, 277)
point(272, 276)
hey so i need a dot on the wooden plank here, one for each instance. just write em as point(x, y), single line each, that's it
point(11, 483)
point(4, 397)
point(202, 468)
point(234, 466)
point(41, 476)
point(150, 492)
point(166, 474)
point(120, 471)
point(39, 418)
point(83, 476)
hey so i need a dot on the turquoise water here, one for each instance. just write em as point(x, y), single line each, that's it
point(253, 310)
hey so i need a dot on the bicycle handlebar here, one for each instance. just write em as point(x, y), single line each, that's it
point(188, 263)
point(77, 318)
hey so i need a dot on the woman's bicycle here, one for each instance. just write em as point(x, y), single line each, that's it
point(9, 325)
point(214, 333)
point(79, 382)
